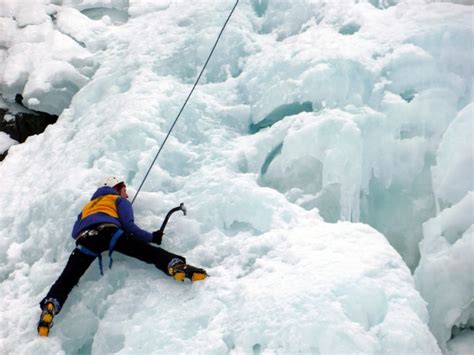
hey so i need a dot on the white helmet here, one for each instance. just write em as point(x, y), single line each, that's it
point(110, 181)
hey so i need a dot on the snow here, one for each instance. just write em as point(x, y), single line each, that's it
point(448, 244)
point(462, 344)
point(312, 118)
point(401, 86)
point(6, 142)
point(41, 62)
point(452, 175)
point(447, 250)
point(137, 8)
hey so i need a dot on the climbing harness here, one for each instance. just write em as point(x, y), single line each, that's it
point(115, 237)
point(113, 241)
point(186, 101)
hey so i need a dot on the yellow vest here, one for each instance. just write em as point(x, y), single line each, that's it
point(102, 204)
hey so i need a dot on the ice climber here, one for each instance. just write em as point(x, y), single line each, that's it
point(107, 223)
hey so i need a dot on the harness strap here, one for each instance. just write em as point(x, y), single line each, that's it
point(115, 237)
point(113, 241)
point(89, 252)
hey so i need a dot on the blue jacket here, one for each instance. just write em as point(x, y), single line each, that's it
point(124, 220)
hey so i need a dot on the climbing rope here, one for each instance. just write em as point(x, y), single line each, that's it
point(186, 101)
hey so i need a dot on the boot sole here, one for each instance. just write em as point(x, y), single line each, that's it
point(43, 331)
point(198, 277)
point(179, 276)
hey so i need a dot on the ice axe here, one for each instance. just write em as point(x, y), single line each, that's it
point(170, 212)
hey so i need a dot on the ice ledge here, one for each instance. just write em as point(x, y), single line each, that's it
point(321, 288)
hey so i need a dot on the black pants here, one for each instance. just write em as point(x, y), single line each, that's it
point(79, 262)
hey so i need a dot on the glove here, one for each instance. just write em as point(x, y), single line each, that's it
point(157, 237)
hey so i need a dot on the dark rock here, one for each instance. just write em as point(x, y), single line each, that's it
point(25, 123)
point(19, 99)
point(29, 124)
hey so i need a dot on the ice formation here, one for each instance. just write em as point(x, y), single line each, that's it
point(312, 116)
point(44, 60)
point(5, 142)
point(377, 111)
point(447, 248)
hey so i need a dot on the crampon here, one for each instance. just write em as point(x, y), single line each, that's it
point(180, 271)
point(46, 319)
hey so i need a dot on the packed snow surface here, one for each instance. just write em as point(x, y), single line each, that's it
point(5, 142)
point(312, 117)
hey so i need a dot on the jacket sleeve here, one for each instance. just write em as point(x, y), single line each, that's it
point(125, 212)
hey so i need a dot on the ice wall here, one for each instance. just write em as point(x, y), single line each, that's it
point(452, 174)
point(308, 109)
point(446, 264)
point(381, 85)
point(447, 248)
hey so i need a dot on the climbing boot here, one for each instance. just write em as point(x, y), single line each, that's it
point(46, 319)
point(180, 271)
